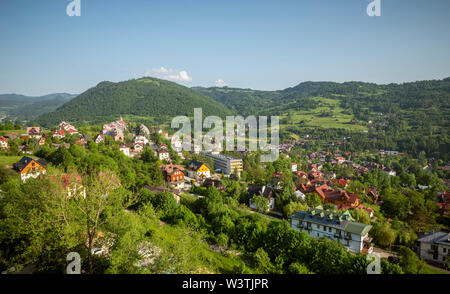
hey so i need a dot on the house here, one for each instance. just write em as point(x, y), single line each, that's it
point(341, 182)
point(117, 135)
point(138, 147)
point(125, 149)
point(99, 138)
point(340, 160)
point(34, 132)
point(336, 197)
point(70, 129)
point(25, 149)
point(30, 168)
point(3, 143)
point(81, 142)
point(115, 129)
point(12, 136)
point(198, 170)
point(141, 139)
point(25, 136)
point(163, 152)
point(214, 183)
point(340, 227)
point(41, 141)
point(59, 134)
point(266, 192)
point(390, 172)
point(173, 175)
point(434, 247)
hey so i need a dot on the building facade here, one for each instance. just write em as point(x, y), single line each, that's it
point(434, 247)
point(227, 164)
point(340, 227)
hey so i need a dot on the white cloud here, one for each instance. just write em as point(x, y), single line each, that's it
point(220, 83)
point(170, 74)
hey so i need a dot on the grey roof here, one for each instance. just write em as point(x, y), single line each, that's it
point(342, 221)
point(436, 237)
point(24, 161)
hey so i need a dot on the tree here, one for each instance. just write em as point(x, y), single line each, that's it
point(410, 262)
point(261, 203)
point(361, 216)
point(298, 268)
point(293, 207)
point(383, 234)
point(61, 213)
point(164, 203)
point(313, 200)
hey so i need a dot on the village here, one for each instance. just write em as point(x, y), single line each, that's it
point(312, 177)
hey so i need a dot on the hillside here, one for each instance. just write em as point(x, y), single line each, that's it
point(410, 117)
point(145, 97)
point(25, 107)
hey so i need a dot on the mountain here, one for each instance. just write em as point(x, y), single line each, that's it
point(357, 99)
point(410, 117)
point(145, 97)
point(26, 107)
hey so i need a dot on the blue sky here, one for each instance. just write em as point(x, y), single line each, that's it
point(255, 44)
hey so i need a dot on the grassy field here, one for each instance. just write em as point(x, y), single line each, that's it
point(9, 160)
point(19, 132)
point(336, 118)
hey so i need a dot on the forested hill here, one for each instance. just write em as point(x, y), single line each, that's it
point(25, 107)
point(145, 97)
point(355, 97)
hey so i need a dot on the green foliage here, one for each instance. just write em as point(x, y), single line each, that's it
point(313, 200)
point(261, 203)
point(165, 204)
point(383, 234)
point(293, 207)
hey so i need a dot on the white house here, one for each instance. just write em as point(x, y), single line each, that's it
point(434, 247)
point(340, 227)
point(125, 149)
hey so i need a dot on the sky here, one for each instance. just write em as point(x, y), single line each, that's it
point(258, 44)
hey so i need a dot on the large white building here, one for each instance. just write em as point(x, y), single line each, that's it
point(434, 247)
point(340, 227)
point(227, 164)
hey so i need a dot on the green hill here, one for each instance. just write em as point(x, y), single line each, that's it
point(145, 97)
point(25, 107)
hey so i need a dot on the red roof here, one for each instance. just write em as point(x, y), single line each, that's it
point(60, 132)
point(3, 139)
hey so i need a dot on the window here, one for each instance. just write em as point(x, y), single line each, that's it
point(444, 250)
point(329, 229)
point(324, 228)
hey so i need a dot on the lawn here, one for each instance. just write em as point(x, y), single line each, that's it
point(9, 160)
point(335, 119)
